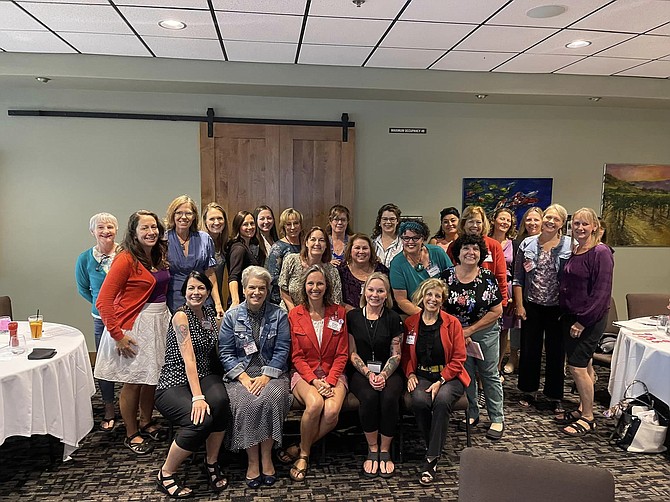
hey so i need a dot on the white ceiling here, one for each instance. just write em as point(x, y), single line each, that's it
point(629, 37)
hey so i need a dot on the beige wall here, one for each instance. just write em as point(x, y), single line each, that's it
point(55, 173)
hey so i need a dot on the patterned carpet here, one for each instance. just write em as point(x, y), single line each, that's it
point(102, 470)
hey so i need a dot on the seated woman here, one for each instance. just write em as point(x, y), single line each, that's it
point(474, 299)
point(189, 393)
point(254, 346)
point(360, 261)
point(433, 354)
point(416, 263)
point(315, 250)
point(320, 349)
point(375, 334)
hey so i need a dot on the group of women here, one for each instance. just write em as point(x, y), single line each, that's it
point(313, 314)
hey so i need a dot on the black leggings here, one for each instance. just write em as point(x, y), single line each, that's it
point(378, 410)
point(175, 405)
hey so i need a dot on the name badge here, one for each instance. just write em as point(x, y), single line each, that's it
point(250, 348)
point(489, 258)
point(411, 339)
point(433, 271)
point(375, 366)
point(528, 265)
point(206, 324)
point(335, 324)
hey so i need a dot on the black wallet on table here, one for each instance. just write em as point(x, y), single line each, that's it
point(42, 353)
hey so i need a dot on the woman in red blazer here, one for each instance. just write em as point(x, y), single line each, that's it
point(320, 350)
point(433, 354)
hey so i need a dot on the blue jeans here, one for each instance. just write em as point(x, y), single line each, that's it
point(106, 388)
point(489, 340)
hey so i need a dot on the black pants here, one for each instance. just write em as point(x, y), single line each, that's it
point(175, 405)
point(542, 324)
point(432, 417)
point(379, 410)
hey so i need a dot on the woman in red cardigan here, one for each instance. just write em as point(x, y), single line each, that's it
point(320, 350)
point(433, 354)
point(474, 222)
point(132, 304)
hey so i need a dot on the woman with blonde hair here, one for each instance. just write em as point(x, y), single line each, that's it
point(188, 249)
point(537, 273)
point(215, 223)
point(585, 290)
point(290, 228)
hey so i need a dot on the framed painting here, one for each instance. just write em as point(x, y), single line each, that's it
point(517, 194)
point(636, 204)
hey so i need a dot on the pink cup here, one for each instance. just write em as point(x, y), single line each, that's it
point(4, 323)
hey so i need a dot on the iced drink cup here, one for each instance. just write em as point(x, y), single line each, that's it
point(35, 326)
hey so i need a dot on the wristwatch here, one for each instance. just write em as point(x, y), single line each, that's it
point(442, 380)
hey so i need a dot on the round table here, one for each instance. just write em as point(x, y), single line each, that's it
point(49, 396)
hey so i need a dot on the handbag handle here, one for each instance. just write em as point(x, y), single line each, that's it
point(630, 385)
point(637, 400)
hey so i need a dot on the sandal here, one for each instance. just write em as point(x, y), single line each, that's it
point(108, 424)
point(214, 476)
point(527, 400)
point(157, 434)
point(568, 416)
point(296, 473)
point(385, 457)
point(558, 408)
point(429, 473)
point(178, 493)
point(142, 448)
point(373, 456)
point(285, 457)
point(578, 427)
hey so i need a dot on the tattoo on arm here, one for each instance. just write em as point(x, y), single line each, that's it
point(358, 363)
point(182, 333)
point(393, 361)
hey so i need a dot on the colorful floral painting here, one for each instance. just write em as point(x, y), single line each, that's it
point(516, 193)
point(636, 204)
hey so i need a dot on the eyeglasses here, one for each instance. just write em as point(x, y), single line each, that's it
point(389, 220)
point(407, 238)
point(180, 214)
point(339, 220)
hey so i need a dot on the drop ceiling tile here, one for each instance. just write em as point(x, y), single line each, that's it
point(537, 63)
point(515, 14)
point(504, 38)
point(599, 66)
point(185, 48)
point(337, 55)
point(451, 11)
point(112, 44)
point(410, 34)
point(259, 27)
point(13, 18)
point(170, 4)
point(403, 58)
point(471, 61)
point(88, 2)
point(339, 31)
point(78, 18)
point(663, 30)
point(261, 52)
point(372, 9)
point(642, 47)
point(630, 16)
point(658, 69)
point(33, 41)
point(600, 40)
point(265, 6)
point(145, 21)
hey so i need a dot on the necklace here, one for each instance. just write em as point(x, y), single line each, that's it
point(183, 242)
point(418, 266)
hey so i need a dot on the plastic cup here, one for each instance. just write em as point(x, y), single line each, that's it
point(4, 324)
point(35, 326)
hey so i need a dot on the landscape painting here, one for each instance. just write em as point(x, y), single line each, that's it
point(636, 204)
point(516, 193)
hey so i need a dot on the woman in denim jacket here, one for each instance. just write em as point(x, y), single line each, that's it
point(254, 347)
point(538, 266)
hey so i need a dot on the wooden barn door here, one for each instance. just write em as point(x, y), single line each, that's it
point(305, 167)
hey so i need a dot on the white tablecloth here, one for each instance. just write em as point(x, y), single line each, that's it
point(50, 396)
point(641, 355)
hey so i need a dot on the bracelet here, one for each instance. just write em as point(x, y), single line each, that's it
point(367, 375)
point(198, 398)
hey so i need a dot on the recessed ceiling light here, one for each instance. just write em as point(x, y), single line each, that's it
point(481, 96)
point(578, 44)
point(545, 11)
point(172, 24)
point(595, 98)
point(43, 80)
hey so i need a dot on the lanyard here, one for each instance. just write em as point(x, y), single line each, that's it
point(368, 326)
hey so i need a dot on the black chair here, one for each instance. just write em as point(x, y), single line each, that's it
point(6, 306)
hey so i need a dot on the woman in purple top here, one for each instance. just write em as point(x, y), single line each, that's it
point(584, 297)
point(360, 261)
